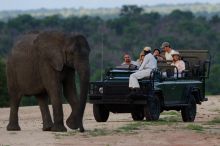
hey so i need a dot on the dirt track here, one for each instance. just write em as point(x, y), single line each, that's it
point(120, 130)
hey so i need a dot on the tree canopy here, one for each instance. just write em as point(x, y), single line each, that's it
point(128, 33)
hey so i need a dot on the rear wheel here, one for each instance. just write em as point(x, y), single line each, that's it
point(100, 113)
point(189, 112)
point(152, 110)
point(138, 115)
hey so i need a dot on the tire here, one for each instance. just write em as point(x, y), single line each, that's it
point(100, 113)
point(137, 115)
point(153, 109)
point(189, 112)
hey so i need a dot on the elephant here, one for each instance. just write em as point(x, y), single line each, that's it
point(44, 64)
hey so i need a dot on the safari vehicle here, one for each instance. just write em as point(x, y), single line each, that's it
point(163, 90)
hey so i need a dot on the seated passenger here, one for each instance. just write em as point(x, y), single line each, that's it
point(140, 59)
point(178, 63)
point(168, 51)
point(157, 55)
point(128, 61)
point(149, 63)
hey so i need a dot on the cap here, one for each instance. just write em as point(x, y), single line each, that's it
point(175, 53)
point(147, 48)
point(165, 44)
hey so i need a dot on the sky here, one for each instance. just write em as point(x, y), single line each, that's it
point(56, 4)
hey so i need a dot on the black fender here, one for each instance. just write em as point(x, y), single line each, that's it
point(195, 91)
point(192, 91)
point(160, 96)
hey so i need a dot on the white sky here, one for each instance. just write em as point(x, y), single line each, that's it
point(50, 4)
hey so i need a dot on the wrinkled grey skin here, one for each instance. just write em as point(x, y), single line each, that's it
point(43, 64)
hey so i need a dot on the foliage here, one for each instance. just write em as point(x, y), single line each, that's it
point(131, 10)
point(128, 33)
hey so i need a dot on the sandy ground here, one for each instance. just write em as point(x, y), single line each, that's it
point(120, 130)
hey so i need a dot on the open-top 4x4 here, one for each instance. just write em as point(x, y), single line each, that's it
point(163, 90)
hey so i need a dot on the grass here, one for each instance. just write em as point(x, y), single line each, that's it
point(133, 127)
point(171, 119)
point(94, 133)
point(59, 135)
point(99, 132)
point(174, 113)
point(197, 128)
point(215, 121)
point(130, 128)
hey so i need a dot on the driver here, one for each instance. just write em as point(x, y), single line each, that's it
point(128, 61)
point(149, 63)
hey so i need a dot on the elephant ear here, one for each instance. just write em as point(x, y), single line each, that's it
point(50, 48)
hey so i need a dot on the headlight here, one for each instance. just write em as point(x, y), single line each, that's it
point(101, 90)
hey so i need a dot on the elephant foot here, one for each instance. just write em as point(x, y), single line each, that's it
point(58, 128)
point(13, 127)
point(81, 129)
point(73, 124)
point(47, 127)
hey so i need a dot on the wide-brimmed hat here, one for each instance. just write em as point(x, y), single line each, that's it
point(147, 48)
point(142, 53)
point(165, 44)
point(175, 53)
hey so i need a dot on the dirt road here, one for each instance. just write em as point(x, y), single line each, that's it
point(120, 130)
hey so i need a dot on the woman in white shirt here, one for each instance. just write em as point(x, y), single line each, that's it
point(178, 63)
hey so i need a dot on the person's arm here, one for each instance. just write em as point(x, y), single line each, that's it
point(181, 66)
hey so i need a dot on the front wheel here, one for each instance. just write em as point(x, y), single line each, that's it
point(100, 113)
point(189, 112)
point(152, 110)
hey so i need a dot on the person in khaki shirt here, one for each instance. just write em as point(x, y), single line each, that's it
point(168, 51)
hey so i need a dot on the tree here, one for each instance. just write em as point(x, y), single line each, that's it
point(131, 10)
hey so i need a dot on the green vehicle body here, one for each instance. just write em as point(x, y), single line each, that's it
point(163, 90)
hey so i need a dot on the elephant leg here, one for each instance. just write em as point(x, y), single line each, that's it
point(56, 102)
point(70, 94)
point(45, 112)
point(52, 83)
point(13, 118)
point(58, 125)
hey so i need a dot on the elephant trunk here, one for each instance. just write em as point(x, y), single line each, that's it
point(84, 75)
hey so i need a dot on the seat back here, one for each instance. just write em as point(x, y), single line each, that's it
point(195, 61)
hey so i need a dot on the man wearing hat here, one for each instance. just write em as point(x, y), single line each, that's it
point(168, 50)
point(149, 63)
point(180, 64)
